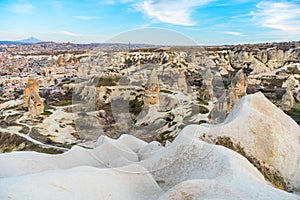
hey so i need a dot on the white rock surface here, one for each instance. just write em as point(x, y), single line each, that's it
point(82, 183)
point(264, 131)
point(187, 168)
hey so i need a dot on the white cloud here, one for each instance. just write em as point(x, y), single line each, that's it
point(233, 33)
point(85, 17)
point(173, 12)
point(67, 33)
point(284, 16)
point(25, 8)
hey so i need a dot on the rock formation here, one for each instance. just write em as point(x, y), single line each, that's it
point(226, 102)
point(61, 60)
point(208, 92)
point(32, 99)
point(287, 101)
point(35, 104)
point(32, 86)
point(181, 82)
point(298, 96)
point(152, 93)
point(265, 135)
point(237, 89)
point(239, 84)
point(186, 169)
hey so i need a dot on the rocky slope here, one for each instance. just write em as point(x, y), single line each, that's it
point(264, 134)
point(187, 168)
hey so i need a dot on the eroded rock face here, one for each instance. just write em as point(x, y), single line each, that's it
point(238, 88)
point(265, 133)
point(32, 99)
point(61, 61)
point(182, 85)
point(287, 101)
point(32, 86)
point(239, 84)
point(186, 169)
point(36, 104)
point(152, 93)
point(208, 92)
point(298, 96)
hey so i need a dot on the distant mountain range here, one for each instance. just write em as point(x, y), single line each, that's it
point(30, 40)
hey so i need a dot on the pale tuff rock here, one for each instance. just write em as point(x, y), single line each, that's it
point(298, 96)
point(182, 85)
point(238, 88)
point(225, 103)
point(32, 86)
point(152, 93)
point(32, 99)
point(186, 169)
point(35, 105)
point(61, 60)
point(239, 84)
point(264, 132)
point(263, 56)
point(287, 101)
point(258, 67)
point(291, 85)
point(208, 93)
point(84, 182)
point(276, 58)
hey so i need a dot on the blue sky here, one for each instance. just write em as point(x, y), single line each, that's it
point(205, 21)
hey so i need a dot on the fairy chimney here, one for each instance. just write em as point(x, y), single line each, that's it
point(207, 86)
point(287, 101)
point(238, 89)
point(239, 84)
point(181, 82)
point(152, 93)
point(32, 86)
point(32, 99)
point(61, 60)
point(36, 104)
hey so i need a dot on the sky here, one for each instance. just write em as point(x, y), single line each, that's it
point(205, 22)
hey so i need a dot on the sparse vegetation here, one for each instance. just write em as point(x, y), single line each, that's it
point(135, 106)
point(203, 110)
point(295, 112)
point(166, 91)
point(201, 101)
point(107, 81)
point(11, 108)
point(47, 113)
point(63, 103)
point(269, 173)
